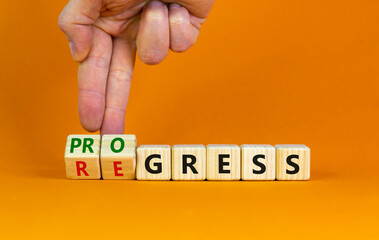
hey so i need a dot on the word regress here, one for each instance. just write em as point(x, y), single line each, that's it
point(118, 157)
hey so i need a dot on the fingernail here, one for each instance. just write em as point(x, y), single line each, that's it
point(174, 6)
point(72, 48)
point(196, 34)
point(155, 4)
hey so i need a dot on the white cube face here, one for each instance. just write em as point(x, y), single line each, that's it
point(258, 162)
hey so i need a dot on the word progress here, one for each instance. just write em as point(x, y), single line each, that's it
point(118, 157)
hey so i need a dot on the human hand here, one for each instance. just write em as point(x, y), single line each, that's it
point(104, 36)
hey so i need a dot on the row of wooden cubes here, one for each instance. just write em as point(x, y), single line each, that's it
point(118, 157)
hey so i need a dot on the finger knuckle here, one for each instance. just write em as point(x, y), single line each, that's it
point(63, 22)
point(115, 109)
point(178, 20)
point(99, 62)
point(155, 16)
point(121, 76)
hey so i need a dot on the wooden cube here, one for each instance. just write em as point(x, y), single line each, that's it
point(258, 162)
point(118, 156)
point(154, 162)
point(223, 162)
point(82, 157)
point(188, 162)
point(292, 162)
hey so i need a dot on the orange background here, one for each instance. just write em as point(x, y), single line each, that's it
point(261, 72)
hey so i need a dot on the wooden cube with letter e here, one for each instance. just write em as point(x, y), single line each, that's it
point(223, 162)
point(118, 156)
point(82, 157)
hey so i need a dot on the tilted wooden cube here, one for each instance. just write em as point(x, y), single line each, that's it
point(292, 162)
point(258, 162)
point(154, 162)
point(223, 162)
point(118, 156)
point(188, 162)
point(82, 157)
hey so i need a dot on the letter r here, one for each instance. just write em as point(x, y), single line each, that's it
point(81, 167)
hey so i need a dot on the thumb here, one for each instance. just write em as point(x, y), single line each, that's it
point(75, 21)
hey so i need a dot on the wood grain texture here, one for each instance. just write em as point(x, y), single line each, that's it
point(286, 155)
point(118, 156)
point(232, 160)
point(198, 152)
point(82, 157)
point(265, 155)
point(164, 161)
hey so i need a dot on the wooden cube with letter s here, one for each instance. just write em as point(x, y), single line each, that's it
point(258, 162)
point(82, 157)
point(292, 162)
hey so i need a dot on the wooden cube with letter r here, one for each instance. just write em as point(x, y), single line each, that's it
point(292, 162)
point(188, 162)
point(82, 157)
point(118, 156)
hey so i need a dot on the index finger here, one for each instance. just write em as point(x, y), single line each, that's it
point(92, 75)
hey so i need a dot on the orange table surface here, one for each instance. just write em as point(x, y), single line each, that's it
point(301, 72)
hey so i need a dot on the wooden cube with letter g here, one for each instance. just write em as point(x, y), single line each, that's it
point(154, 162)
